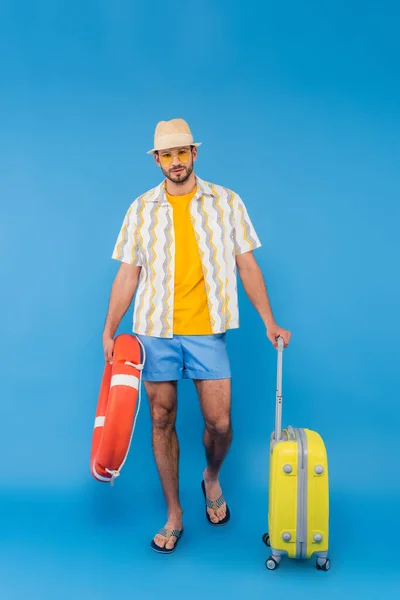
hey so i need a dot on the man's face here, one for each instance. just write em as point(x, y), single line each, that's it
point(177, 163)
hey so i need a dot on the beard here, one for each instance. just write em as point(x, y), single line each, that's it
point(179, 178)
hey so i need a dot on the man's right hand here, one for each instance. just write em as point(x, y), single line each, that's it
point(108, 346)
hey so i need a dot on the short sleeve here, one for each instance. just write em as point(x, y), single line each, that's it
point(245, 235)
point(126, 248)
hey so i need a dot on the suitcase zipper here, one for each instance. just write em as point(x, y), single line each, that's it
point(301, 536)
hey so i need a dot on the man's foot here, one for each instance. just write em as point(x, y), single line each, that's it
point(168, 536)
point(218, 511)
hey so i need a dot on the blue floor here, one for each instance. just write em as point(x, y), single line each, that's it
point(95, 544)
point(66, 536)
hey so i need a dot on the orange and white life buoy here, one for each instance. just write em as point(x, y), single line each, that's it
point(117, 408)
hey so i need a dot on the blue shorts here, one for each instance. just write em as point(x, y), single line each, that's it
point(185, 357)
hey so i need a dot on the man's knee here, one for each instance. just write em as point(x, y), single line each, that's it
point(162, 416)
point(162, 399)
point(219, 427)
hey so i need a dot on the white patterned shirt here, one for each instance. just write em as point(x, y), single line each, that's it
point(223, 229)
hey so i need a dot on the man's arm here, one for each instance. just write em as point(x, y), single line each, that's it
point(254, 285)
point(255, 288)
point(122, 292)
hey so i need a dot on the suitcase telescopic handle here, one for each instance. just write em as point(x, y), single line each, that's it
point(278, 410)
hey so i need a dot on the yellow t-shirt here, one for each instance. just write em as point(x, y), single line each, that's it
point(191, 316)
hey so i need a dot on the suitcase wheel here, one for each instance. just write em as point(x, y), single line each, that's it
point(271, 563)
point(265, 539)
point(325, 567)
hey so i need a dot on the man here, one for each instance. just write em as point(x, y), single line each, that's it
point(180, 247)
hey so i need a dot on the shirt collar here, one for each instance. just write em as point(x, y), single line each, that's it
point(158, 194)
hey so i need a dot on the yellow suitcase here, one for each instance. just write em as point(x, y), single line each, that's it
point(298, 502)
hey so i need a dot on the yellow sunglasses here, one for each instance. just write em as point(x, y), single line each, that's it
point(167, 158)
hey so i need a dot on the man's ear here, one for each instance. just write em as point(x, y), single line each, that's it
point(156, 158)
point(194, 153)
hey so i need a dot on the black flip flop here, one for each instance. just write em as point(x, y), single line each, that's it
point(167, 533)
point(214, 504)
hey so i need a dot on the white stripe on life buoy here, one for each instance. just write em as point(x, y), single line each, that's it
point(99, 421)
point(98, 476)
point(129, 380)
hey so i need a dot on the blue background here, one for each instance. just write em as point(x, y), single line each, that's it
point(297, 106)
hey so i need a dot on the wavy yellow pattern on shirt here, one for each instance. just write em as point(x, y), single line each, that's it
point(153, 289)
point(224, 297)
point(205, 273)
point(167, 322)
point(141, 239)
point(124, 228)
point(212, 244)
point(244, 226)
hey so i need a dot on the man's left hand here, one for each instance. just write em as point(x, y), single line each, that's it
point(274, 331)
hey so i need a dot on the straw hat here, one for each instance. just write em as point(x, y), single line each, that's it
point(172, 134)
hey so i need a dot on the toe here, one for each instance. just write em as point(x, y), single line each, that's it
point(214, 518)
point(221, 513)
point(171, 542)
point(160, 541)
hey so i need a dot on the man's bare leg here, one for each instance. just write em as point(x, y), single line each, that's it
point(163, 406)
point(215, 401)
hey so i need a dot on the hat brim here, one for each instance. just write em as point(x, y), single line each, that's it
point(168, 147)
